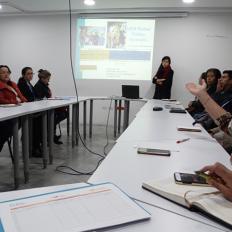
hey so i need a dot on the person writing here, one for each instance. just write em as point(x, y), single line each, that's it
point(163, 79)
point(221, 176)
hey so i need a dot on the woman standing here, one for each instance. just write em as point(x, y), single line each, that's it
point(163, 79)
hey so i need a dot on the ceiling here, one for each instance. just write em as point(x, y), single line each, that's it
point(61, 6)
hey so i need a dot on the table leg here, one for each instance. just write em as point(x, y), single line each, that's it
point(25, 146)
point(16, 151)
point(91, 119)
point(84, 118)
point(73, 124)
point(115, 117)
point(44, 139)
point(119, 116)
point(77, 123)
point(30, 135)
point(51, 115)
point(126, 114)
point(68, 122)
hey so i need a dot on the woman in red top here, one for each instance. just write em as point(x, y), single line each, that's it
point(9, 91)
point(9, 94)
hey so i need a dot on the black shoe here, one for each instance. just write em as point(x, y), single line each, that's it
point(37, 153)
point(56, 141)
point(57, 137)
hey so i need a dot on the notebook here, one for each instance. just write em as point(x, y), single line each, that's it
point(81, 209)
point(203, 199)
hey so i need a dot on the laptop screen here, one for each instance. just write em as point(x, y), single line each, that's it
point(130, 91)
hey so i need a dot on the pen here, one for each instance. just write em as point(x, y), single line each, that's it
point(183, 140)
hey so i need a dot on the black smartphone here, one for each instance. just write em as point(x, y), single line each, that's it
point(190, 179)
point(150, 151)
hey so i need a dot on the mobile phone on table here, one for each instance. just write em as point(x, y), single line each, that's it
point(190, 179)
point(151, 151)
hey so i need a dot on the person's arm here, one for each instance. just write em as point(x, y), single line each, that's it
point(4, 100)
point(154, 79)
point(168, 81)
point(221, 178)
point(213, 109)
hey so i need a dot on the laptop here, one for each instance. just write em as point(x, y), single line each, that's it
point(130, 91)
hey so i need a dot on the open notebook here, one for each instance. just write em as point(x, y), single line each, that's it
point(205, 199)
point(81, 209)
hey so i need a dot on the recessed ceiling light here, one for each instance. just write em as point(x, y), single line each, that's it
point(188, 1)
point(89, 2)
point(0, 7)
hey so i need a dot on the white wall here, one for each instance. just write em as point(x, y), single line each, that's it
point(195, 43)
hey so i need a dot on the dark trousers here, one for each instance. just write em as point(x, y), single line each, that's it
point(6, 131)
point(60, 115)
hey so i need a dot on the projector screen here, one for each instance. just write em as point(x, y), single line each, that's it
point(118, 49)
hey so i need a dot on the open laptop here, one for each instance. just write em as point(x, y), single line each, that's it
point(130, 91)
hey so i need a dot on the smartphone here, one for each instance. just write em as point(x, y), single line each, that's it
point(190, 179)
point(150, 151)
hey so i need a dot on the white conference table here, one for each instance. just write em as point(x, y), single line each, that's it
point(47, 108)
point(150, 125)
point(23, 111)
point(125, 168)
point(158, 220)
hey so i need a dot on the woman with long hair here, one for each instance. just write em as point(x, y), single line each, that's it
point(163, 79)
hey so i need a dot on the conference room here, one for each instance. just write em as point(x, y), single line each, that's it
point(115, 115)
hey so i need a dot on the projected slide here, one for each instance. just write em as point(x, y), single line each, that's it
point(119, 49)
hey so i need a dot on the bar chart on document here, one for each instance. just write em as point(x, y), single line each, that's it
point(71, 211)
